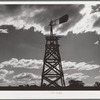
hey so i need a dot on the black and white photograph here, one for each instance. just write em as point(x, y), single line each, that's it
point(50, 46)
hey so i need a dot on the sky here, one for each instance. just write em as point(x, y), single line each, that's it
point(22, 42)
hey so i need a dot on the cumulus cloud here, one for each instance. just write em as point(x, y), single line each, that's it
point(68, 65)
point(37, 64)
point(76, 76)
point(79, 66)
point(33, 79)
point(27, 82)
point(97, 77)
point(23, 63)
point(3, 30)
point(96, 43)
point(3, 80)
point(4, 73)
point(26, 76)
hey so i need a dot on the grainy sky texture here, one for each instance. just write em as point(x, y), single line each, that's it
point(22, 42)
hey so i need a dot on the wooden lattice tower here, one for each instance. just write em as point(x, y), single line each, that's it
point(52, 73)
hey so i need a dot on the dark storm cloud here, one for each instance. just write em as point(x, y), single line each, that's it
point(26, 16)
point(56, 11)
point(13, 8)
point(10, 10)
point(16, 10)
point(21, 44)
point(38, 16)
point(97, 23)
point(95, 8)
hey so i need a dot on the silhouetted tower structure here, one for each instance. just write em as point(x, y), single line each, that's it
point(52, 74)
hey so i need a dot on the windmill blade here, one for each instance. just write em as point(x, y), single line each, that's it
point(63, 19)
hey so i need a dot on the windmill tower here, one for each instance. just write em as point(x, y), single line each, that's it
point(52, 73)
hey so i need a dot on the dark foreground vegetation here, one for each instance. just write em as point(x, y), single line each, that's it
point(73, 85)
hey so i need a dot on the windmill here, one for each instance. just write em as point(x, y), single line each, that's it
point(52, 73)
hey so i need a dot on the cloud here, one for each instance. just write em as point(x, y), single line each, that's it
point(19, 79)
point(19, 16)
point(23, 63)
point(25, 82)
point(96, 8)
point(97, 23)
point(96, 43)
point(89, 22)
point(11, 72)
point(4, 73)
point(3, 30)
point(68, 65)
point(38, 16)
point(56, 11)
point(30, 78)
point(76, 76)
point(3, 80)
point(82, 17)
point(91, 84)
point(37, 64)
point(97, 77)
point(27, 78)
point(78, 66)
point(6, 82)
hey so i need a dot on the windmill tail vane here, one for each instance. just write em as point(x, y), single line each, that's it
point(60, 20)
